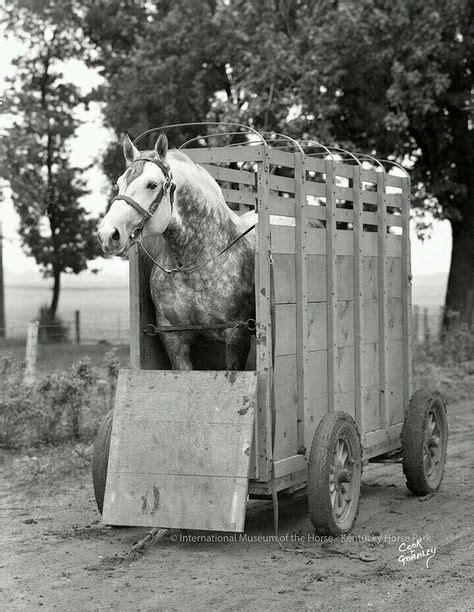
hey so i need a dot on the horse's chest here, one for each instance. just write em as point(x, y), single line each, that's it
point(198, 298)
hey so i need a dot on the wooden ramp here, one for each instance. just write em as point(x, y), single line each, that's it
point(180, 449)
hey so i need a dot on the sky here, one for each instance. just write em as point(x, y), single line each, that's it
point(432, 256)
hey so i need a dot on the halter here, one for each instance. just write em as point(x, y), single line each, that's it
point(168, 185)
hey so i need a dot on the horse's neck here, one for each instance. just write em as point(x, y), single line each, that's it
point(202, 226)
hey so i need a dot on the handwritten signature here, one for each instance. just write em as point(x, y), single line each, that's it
point(415, 551)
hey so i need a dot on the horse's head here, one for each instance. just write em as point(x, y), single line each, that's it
point(144, 200)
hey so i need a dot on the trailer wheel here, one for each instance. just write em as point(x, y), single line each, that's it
point(424, 442)
point(100, 459)
point(334, 475)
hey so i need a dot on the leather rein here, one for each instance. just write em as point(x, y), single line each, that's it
point(137, 232)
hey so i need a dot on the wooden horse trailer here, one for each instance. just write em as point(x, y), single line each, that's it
point(332, 383)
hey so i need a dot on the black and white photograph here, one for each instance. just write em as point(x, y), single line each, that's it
point(236, 305)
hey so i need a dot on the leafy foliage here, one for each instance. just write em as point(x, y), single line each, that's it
point(387, 78)
point(34, 152)
point(62, 406)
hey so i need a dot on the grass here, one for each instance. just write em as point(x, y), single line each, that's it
point(61, 356)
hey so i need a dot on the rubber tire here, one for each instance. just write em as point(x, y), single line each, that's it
point(413, 436)
point(100, 459)
point(321, 511)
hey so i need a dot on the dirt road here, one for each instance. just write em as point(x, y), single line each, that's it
point(55, 553)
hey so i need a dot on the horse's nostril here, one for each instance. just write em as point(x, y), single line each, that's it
point(115, 236)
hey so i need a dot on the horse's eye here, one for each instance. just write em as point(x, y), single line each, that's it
point(115, 188)
point(151, 186)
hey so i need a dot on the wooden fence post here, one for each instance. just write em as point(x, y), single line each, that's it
point(77, 322)
point(416, 323)
point(31, 352)
point(426, 327)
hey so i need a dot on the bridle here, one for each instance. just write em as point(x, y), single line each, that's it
point(168, 185)
point(136, 234)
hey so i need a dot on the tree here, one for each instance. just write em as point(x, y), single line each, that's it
point(46, 189)
point(392, 79)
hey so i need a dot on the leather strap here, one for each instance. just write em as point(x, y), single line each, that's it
point(168, 185)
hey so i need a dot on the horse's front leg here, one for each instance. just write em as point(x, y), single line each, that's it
point(178, 347)
point(237, 348)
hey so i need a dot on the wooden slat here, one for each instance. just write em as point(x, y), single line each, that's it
point(394, 199)
point(315, 164)
point(315, 189)
point(406, 292)
point(146, 353)
point(281, 158)
point(331, 254)
point(382, 441)
point(282, 183)
point(382, 299)
point(395, 181)
point(216, 155)
point(239, 197)
point(286, 400)
point(301, 297)
point(264, 331)
point(231, 175)
point(369, 176)
point(345, 170)
point(284, 241)
point(358, 295)
point(284, 207)
point(316, 212)
point(190, 441)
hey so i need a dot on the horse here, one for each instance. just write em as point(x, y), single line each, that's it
point(202, 251)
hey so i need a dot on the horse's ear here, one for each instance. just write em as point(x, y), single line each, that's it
point(161, 146)
point(130, 151)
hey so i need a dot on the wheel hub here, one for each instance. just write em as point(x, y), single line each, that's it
point(340, 482)
point(431, 447)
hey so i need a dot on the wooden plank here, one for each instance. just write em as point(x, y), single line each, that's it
point(358, 295)
point(284, 207)
point(282, 183)
point(188, 447)
point(301, 296)
point(316, 212)
point(239, 197)
point(331, 310)
point(369, 176)
point(382, 441)
point(394, 277)
point(285, 268)
point(382, 298)
point(216, 155)
point(281, 158)
point(370, 410)
point(394, 200)
point(315, 189)
point(406, 293)
point(146, 352)
point(220, 173)
point(286, 399)
point(264, 332)
point(289, 465)
point(395, 181)
point(345, 170)
point(315, 164)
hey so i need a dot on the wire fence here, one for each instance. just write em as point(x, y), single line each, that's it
point(116, 330)
point(108, 330)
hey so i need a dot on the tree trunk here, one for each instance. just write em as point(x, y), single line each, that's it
point(56, 288)
point(459, 306)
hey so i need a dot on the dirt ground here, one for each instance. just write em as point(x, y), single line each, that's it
point(55, 553)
